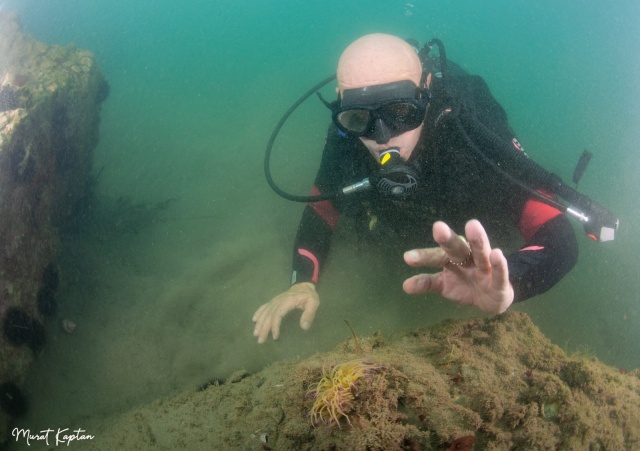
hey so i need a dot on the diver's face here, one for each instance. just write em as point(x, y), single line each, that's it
point(406, 143)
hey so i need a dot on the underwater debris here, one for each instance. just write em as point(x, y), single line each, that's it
point(355, 337)
point(68, 326)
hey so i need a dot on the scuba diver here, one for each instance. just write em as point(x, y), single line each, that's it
point(439, 153)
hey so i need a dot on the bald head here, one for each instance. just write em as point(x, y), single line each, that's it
point(375, 59)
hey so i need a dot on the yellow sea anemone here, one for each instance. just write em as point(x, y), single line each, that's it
point(334, 392)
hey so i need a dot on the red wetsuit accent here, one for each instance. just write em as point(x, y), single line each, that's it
point(325, 209)
point(314, 260)
point(535, 214)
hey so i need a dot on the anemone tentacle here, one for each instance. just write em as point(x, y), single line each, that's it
point(334, 392)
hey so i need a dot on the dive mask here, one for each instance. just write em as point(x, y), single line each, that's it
point(381, 112)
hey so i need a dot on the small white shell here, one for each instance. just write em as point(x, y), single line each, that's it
point(68, 326)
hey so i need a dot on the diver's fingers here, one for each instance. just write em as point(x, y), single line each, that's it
point(276, 320)
point(423, 283)
point(433, 257)
point(268, 317)
point(264, 319)
point(455, 246)
point(479, 245)
point(500, 270)
point(258, 313)
point(262, 329)
point(310, 307)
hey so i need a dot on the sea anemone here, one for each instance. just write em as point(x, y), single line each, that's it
point(19, 328)
point(335, 391)
point(46, 302)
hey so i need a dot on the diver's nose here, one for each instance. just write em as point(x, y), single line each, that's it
point(381, 133)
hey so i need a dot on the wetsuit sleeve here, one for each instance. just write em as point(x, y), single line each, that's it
point(313, 241)
point(319, 219)
point(550, 251)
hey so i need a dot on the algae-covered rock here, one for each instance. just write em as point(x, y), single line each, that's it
point(485, 384)
point(50, 100)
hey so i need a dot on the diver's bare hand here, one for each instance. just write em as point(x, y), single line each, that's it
point(268, 318)
point(482, 278)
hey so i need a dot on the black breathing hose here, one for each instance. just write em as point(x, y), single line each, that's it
point(501, 171)
point(442, 54)
point(274, 134)
point(524, 167)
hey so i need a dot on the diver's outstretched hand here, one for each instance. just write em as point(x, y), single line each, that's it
point(472, 273)
point(268, 318)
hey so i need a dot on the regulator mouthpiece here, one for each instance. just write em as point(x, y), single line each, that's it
point(394, 178)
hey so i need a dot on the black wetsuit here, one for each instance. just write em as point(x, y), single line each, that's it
point(455, 185)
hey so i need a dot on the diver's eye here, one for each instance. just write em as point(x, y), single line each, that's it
point(402, 115)
point(354, 120)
